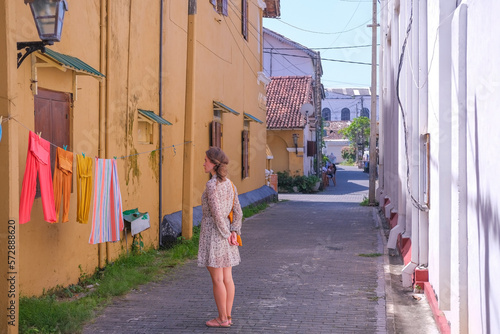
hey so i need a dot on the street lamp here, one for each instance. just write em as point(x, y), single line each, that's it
point(49, 17)
point(360, 151)
point(295, 142)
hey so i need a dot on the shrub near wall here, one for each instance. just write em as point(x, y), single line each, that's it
point(302, 183)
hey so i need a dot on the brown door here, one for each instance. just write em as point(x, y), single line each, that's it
point(52, 119)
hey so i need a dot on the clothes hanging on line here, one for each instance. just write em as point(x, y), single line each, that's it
point(38, 160)
point(63, 177)
point(107, 216)
point(83, 188)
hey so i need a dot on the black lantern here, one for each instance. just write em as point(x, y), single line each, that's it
point(295, 142)
point(49, 17)
point(360, 151)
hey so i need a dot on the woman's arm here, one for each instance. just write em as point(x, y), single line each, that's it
point(215, 209)
point(237, 214)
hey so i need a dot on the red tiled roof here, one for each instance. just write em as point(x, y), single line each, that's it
point(332, 130)
point(272, 9)
point(285, 96)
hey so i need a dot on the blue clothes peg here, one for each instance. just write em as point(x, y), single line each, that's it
point(83, 155)
point(65, 147)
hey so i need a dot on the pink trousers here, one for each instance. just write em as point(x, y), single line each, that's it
point(38, 160)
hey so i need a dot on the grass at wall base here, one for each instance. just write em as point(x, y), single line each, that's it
point(66, 309)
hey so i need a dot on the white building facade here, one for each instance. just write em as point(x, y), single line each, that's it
point(438, 88)
point(284, 57)
point(345, 104)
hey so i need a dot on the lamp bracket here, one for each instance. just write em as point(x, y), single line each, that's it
point(29, 48)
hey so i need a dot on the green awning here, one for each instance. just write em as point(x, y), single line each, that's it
point(154, 117)
point(72, 63)
point(223, 108)
point(252, 118)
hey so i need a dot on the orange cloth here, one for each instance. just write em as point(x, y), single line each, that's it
point(63, 177)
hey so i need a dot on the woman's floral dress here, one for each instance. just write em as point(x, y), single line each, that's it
point(214, 248)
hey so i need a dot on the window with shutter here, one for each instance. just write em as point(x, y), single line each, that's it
point(220, 6)
point(52, 119)
point(311, 148)
point(244, 19)
point(216, 134)
point(245, 168)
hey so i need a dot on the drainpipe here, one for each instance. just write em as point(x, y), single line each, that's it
point(108, 100)
point(382, 96)
point(396, 192)
point(414, 150)
point(187, 183)
point(101, 248)
point(317, 105)
point(423, 112)
point(160, 132)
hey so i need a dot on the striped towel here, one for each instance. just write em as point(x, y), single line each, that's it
point(107, 216)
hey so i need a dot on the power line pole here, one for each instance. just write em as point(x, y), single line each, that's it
point(373, 113)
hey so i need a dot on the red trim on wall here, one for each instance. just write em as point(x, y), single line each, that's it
point(404, 247)
point(442, 323)
point(393, 221)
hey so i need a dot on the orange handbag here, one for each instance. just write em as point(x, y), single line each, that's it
point(230, 216)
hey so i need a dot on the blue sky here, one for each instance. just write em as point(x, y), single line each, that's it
point(327, 24)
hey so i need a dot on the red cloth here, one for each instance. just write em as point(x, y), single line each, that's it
point(38, 160)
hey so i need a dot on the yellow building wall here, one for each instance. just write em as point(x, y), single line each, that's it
point(284, 160)
point(104, 117)
point(9, 169)
point(56, 254)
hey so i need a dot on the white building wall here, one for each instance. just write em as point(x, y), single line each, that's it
point(483, 138)
point(281, 59)
point(335, 146)
point(336, 102)
point(462, 227)
point(284, 59)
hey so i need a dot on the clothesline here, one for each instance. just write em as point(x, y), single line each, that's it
point(116, 157)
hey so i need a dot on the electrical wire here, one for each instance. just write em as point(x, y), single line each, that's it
point(325, 59)
point(330, 48)
point(332, 33)
point(432, 57)
point(324, 33)
point(354, 13)
point(238, 46)
point(238, 12)
point(344, 82)
point(291, 64)
point(414, 201)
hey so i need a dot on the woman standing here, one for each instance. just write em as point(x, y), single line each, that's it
point(218, 249)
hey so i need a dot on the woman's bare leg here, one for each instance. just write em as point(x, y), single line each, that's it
point(220, 294)
point(230, 290)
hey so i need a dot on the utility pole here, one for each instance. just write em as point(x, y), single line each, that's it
point(319, 130)
point(187, 181)
point(373, 114)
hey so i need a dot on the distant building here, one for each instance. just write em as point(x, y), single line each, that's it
point(289, 134)
point(345, 104)
point(284, 58)
point(334, 141)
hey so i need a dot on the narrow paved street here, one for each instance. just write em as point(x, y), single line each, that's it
point(302, 271)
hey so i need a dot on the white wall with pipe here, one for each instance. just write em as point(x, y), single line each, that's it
point(459, 238)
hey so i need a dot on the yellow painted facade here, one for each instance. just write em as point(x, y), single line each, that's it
point(121, 39)
point(285, 156)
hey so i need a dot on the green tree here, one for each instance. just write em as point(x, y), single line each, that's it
point(358, 132)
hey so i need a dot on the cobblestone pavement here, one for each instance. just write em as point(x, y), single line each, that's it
point(301, 271)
